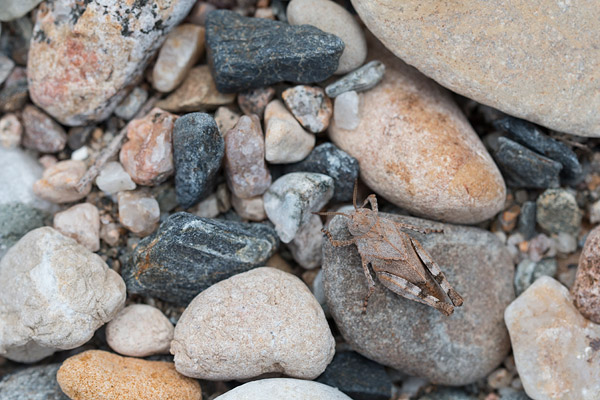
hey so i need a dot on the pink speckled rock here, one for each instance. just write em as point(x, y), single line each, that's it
point(586, 289)
point(148, 155)
point(85, 55)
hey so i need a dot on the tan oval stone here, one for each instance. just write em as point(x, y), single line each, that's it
point(534, 60)
point(416, 148)
point(97, 374)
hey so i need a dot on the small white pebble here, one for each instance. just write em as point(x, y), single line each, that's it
point(80, 154)
point(113, 178)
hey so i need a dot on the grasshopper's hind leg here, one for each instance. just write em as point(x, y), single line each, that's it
point(370, 283)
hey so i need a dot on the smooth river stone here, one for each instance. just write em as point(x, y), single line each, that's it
point(416, 148)
point(84, 56)
point(498, 53)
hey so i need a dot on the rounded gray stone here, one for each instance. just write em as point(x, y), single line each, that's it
point(35, 383)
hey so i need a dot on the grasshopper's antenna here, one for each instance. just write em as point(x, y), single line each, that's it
point(355, 195)
point(331, 213)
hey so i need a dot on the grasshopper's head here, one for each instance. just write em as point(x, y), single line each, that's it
point(361, 221)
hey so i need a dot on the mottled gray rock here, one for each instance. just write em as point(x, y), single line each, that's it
point(13, 95)
point(529, 271)
point(54, 293)
point(131, 104)
point(188, 254)
point(359, 80)
point(247, 53)
point(198, 150)
point(35, 383)
point(283, 388)
point(15, 9)
point(557, 211)
point(292, 198)
point(411, 336)
point(527, 220)
point(6, 67)
point(257, 322)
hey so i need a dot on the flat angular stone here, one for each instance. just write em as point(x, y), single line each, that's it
point(586, 289)
point(364, 78)
point(311, 107)
point(84, 57)
point(199, 150)
point(498, 53)
point(187, 254)
point(247, 53)
point(41, 132)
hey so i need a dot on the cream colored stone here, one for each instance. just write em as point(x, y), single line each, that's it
point(58, 183)
point(283, 388)
point(82, 223)
point(226, 119)
point(556, 350)
point(252, 209)
point(416, 148)
point(138, 211)
point(285, 139)
point(534, 61)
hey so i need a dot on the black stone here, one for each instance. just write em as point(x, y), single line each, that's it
point(198, 150)
point(188, 254)
point(531, 136)
point(358, 377)
point(35, 383)
point(527, 220)
point(524, 168)
point(79, 135)
point(247, 53)
point(328, 159)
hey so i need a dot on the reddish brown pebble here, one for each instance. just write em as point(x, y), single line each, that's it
point(508, 219)
point(245, 168)
point(310, 105)
point(586, 290)
point(41, 132)
point(59, 181)
point(96, 374)
point(255, 101)
point(148, 155)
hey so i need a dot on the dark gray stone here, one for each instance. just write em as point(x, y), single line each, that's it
point(413, 337)
point(79, 135)
point(528, 271)
point(35, 383)
point(247, 53)
point(329, 160)
point(14, 96)
point(522, 167)
point(557, 211)
point(358, 377)
point(16, 219)
point(448, 394)
point(531, 136)
point(359, 80)
point(188, 254)
point(527, 220)
point(198, 150)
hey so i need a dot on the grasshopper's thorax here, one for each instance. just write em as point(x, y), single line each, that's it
point(361, 221)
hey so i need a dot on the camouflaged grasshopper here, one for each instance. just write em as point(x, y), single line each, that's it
point(399, 261)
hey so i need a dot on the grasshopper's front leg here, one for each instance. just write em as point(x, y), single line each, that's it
point(337, 243)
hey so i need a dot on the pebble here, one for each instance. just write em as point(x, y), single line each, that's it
point(283, 388)
point(78, 70)
point(14, 94)
point(180, 51)
point(199, 149)
point(586, 289)
point(557, 211)
point(148, 154)
point(245, 168)
point(140, 330)
point(11, 131)
point(594, 212)
point(359, 80)
point(96, 374)
point(454, 350)
point(35, 383)
point(252, 209)
point(311, 107)
point(226, 119)
point(132, 103)
point(285, 140)
point(54, 294)
point(188, 254)
point(565, 243)
point(207, 208)
point(539, 247)
point(197, 93)
point(306, 245)
point(358, 377)
point(199, 12)
point(529, 271)
point(138, 211)
point(81, 153)
point(524, 168)
point(531, 136)
point(255, 101)
point(248, 53)
point(292, 198)
point(335, 19)
point(417, 150)
point(448, 394)
point(526, 225)
point(347, 110)
point(41, 132)
point(16, 9)
point(58, 183)
point(554, 346)
point(79, 135)
point(438, 40)
point(260, 321)
point(329, 160)
point(6, 67)
point(82, 223)
point(113, 178)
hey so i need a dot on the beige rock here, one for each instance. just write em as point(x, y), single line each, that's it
point(586, 289)
point(310, 105)
point(252, 209)
point(58, 183)
point(332, 18)
point(417, 149)
point(140, 330)
point(257, 322)
point(181, 50)
point(96, 374)
point(226, 119)
point(499, 53)
point(285, 140)
point(82, 223)
point(138, 211)
point(555, 348)
point(11, 131)
point(148, 155)
point(197, 93)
